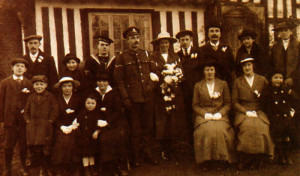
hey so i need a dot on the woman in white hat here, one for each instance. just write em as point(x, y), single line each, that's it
point(252, 124)
point(169, 115)
point(69, 105)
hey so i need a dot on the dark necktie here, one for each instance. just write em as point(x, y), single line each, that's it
point(19, 83)
point(186, 52)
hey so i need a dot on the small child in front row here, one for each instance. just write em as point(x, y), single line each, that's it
point(41, 111)
point(88, 134)
point(279, 103)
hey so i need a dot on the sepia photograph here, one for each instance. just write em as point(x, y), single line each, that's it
point(149, 87)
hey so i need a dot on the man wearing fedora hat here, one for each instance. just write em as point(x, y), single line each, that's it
point(219, 52)
point(100, 62)
point(132, 74)
point(39, 62)
point(190, 59)
point(249, 46)
point(285, 52)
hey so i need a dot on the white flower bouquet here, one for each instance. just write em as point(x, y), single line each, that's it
point(172, 77)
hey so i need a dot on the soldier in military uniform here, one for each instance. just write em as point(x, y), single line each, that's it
point(101, 62)
point(190, 59)
point(134, 78)
point(39, 62)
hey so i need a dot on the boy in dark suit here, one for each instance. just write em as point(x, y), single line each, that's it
point(14, 91)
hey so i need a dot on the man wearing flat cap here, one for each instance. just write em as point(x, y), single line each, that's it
point(190, 59)
point(285, 53)
point(39, 62)
point(132, 75)
point(219, 52)
point(100, 62)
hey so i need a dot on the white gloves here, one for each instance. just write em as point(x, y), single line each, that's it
point(251, 114)
point(70, 128)
point(208, 116)
point(216, 116)
point(154, 77)
point(292, 112)
point(102, 123)
point(95, 134)
point(66, 129)
point(74, 125)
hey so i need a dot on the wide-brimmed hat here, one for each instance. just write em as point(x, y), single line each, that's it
point(131, 31)
point(184, 33)
point(19, 60)
point(67, 79)
point(39, 78)
point(246, 33)
point(164, 35)
point(33, 37)
point(284, 25)
point(70, 56)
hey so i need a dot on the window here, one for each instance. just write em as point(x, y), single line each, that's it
point(114, 24)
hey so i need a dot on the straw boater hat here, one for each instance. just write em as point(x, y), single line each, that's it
point(164, 35)
point(246, 58)
point(67, 79)
point(246, 33)
point(70, 56)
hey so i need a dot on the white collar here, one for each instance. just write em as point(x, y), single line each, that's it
point(67, 99)
point(107, 90)
point(16, 77)
point(34, 55)
point(94, 57)
point(250, 80)
point(188, 50)
point(215, 45)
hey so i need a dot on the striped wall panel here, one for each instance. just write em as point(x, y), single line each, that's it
point(282, 9)
point(66, 29)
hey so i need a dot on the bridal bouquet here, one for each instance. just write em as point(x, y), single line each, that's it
point(172, 77)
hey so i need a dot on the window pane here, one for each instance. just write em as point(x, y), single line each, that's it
point(101, 23)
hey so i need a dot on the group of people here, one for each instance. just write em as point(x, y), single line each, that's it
point(112, 111)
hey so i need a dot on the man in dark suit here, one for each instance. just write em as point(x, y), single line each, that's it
point(39, 62)
point(220, 53)
point(285, 53)
point(14, 91)
point(133, 73)
point(190, 59)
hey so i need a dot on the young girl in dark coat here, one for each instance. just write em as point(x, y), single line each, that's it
point(40, 112)
point(279, 103)
point(64, 154)
point(88, 134)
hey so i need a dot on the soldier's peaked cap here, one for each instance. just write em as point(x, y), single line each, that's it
point(131, 31)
